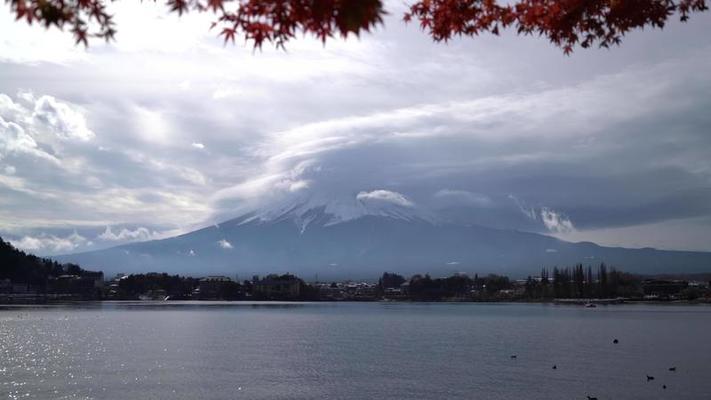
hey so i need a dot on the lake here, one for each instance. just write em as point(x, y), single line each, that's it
point(205, 350)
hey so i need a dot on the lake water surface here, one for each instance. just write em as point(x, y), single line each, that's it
point(176, 350)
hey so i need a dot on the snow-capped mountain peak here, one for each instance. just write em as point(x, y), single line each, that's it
point(329, 210)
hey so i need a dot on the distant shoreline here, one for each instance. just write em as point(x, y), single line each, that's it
point(568, 304)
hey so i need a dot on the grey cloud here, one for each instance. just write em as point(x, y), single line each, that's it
point(602, 139)
point(454, 197)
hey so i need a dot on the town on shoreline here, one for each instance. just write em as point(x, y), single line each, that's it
point(562, 286)
point(27, 279)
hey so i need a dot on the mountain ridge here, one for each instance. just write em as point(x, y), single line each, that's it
point(366, 246)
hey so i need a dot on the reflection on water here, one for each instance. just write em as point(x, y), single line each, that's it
point(154, 305)
point(217, 350)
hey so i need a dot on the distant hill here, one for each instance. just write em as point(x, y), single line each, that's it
point(21, 267)
point(361, 244)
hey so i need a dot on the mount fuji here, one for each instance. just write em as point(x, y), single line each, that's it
point(359, 238)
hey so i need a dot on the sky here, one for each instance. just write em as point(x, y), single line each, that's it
point(167, 130)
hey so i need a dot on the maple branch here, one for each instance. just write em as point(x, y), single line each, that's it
point(566, 23)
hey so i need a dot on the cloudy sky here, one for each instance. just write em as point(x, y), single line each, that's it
point(166, 130)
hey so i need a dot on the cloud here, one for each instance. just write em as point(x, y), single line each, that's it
point(224, 244)
point(539, 145)
point(385, 196)
point(20, 185)
point(198, 146)
point(612, 138)
point(529, 212)
point(449, 140)
point(64, 120)
point(51, 243)
point(15, 140)
point(139, 234)
point(463, 197)
point(31, 46)
point(553, 221)
point(294, 186)
point(45, 117)
point(41, 128)
point(151, 125)
point(556, 222)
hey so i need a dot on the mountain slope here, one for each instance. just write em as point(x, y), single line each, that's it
point(367, 245)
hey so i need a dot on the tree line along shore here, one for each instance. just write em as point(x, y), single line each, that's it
point(26, 278)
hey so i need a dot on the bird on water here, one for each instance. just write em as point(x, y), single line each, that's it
point(591, 398)
point(672, 369)
point(555, 367)
point(650, 378)
point(615, 341)
point(513, 356)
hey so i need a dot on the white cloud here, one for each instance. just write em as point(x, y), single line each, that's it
point(65, 121)
point(224, 244)
point(199, 146)
point(29, 45)
point(151, 125)
point(138, 234)
point(34, 127)
point(556, 222)
point(386, 196)
point(184, 85)
point(192, 175)
point(50, 243)
point(45, 117)
point(529, 212)
point(14, 139)
point(145, 27)
point(10, 170)
point(20, 185)
point(299, 185)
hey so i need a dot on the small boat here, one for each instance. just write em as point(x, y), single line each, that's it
point(590, 305)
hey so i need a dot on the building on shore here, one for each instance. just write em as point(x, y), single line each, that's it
point(86, 286)
point(278, 287)
point(5, 286)
point(663, 288)
point(216, 288)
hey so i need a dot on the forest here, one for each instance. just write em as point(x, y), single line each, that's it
point(18, 266)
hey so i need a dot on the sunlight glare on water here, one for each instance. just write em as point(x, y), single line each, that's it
point(353, 351)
